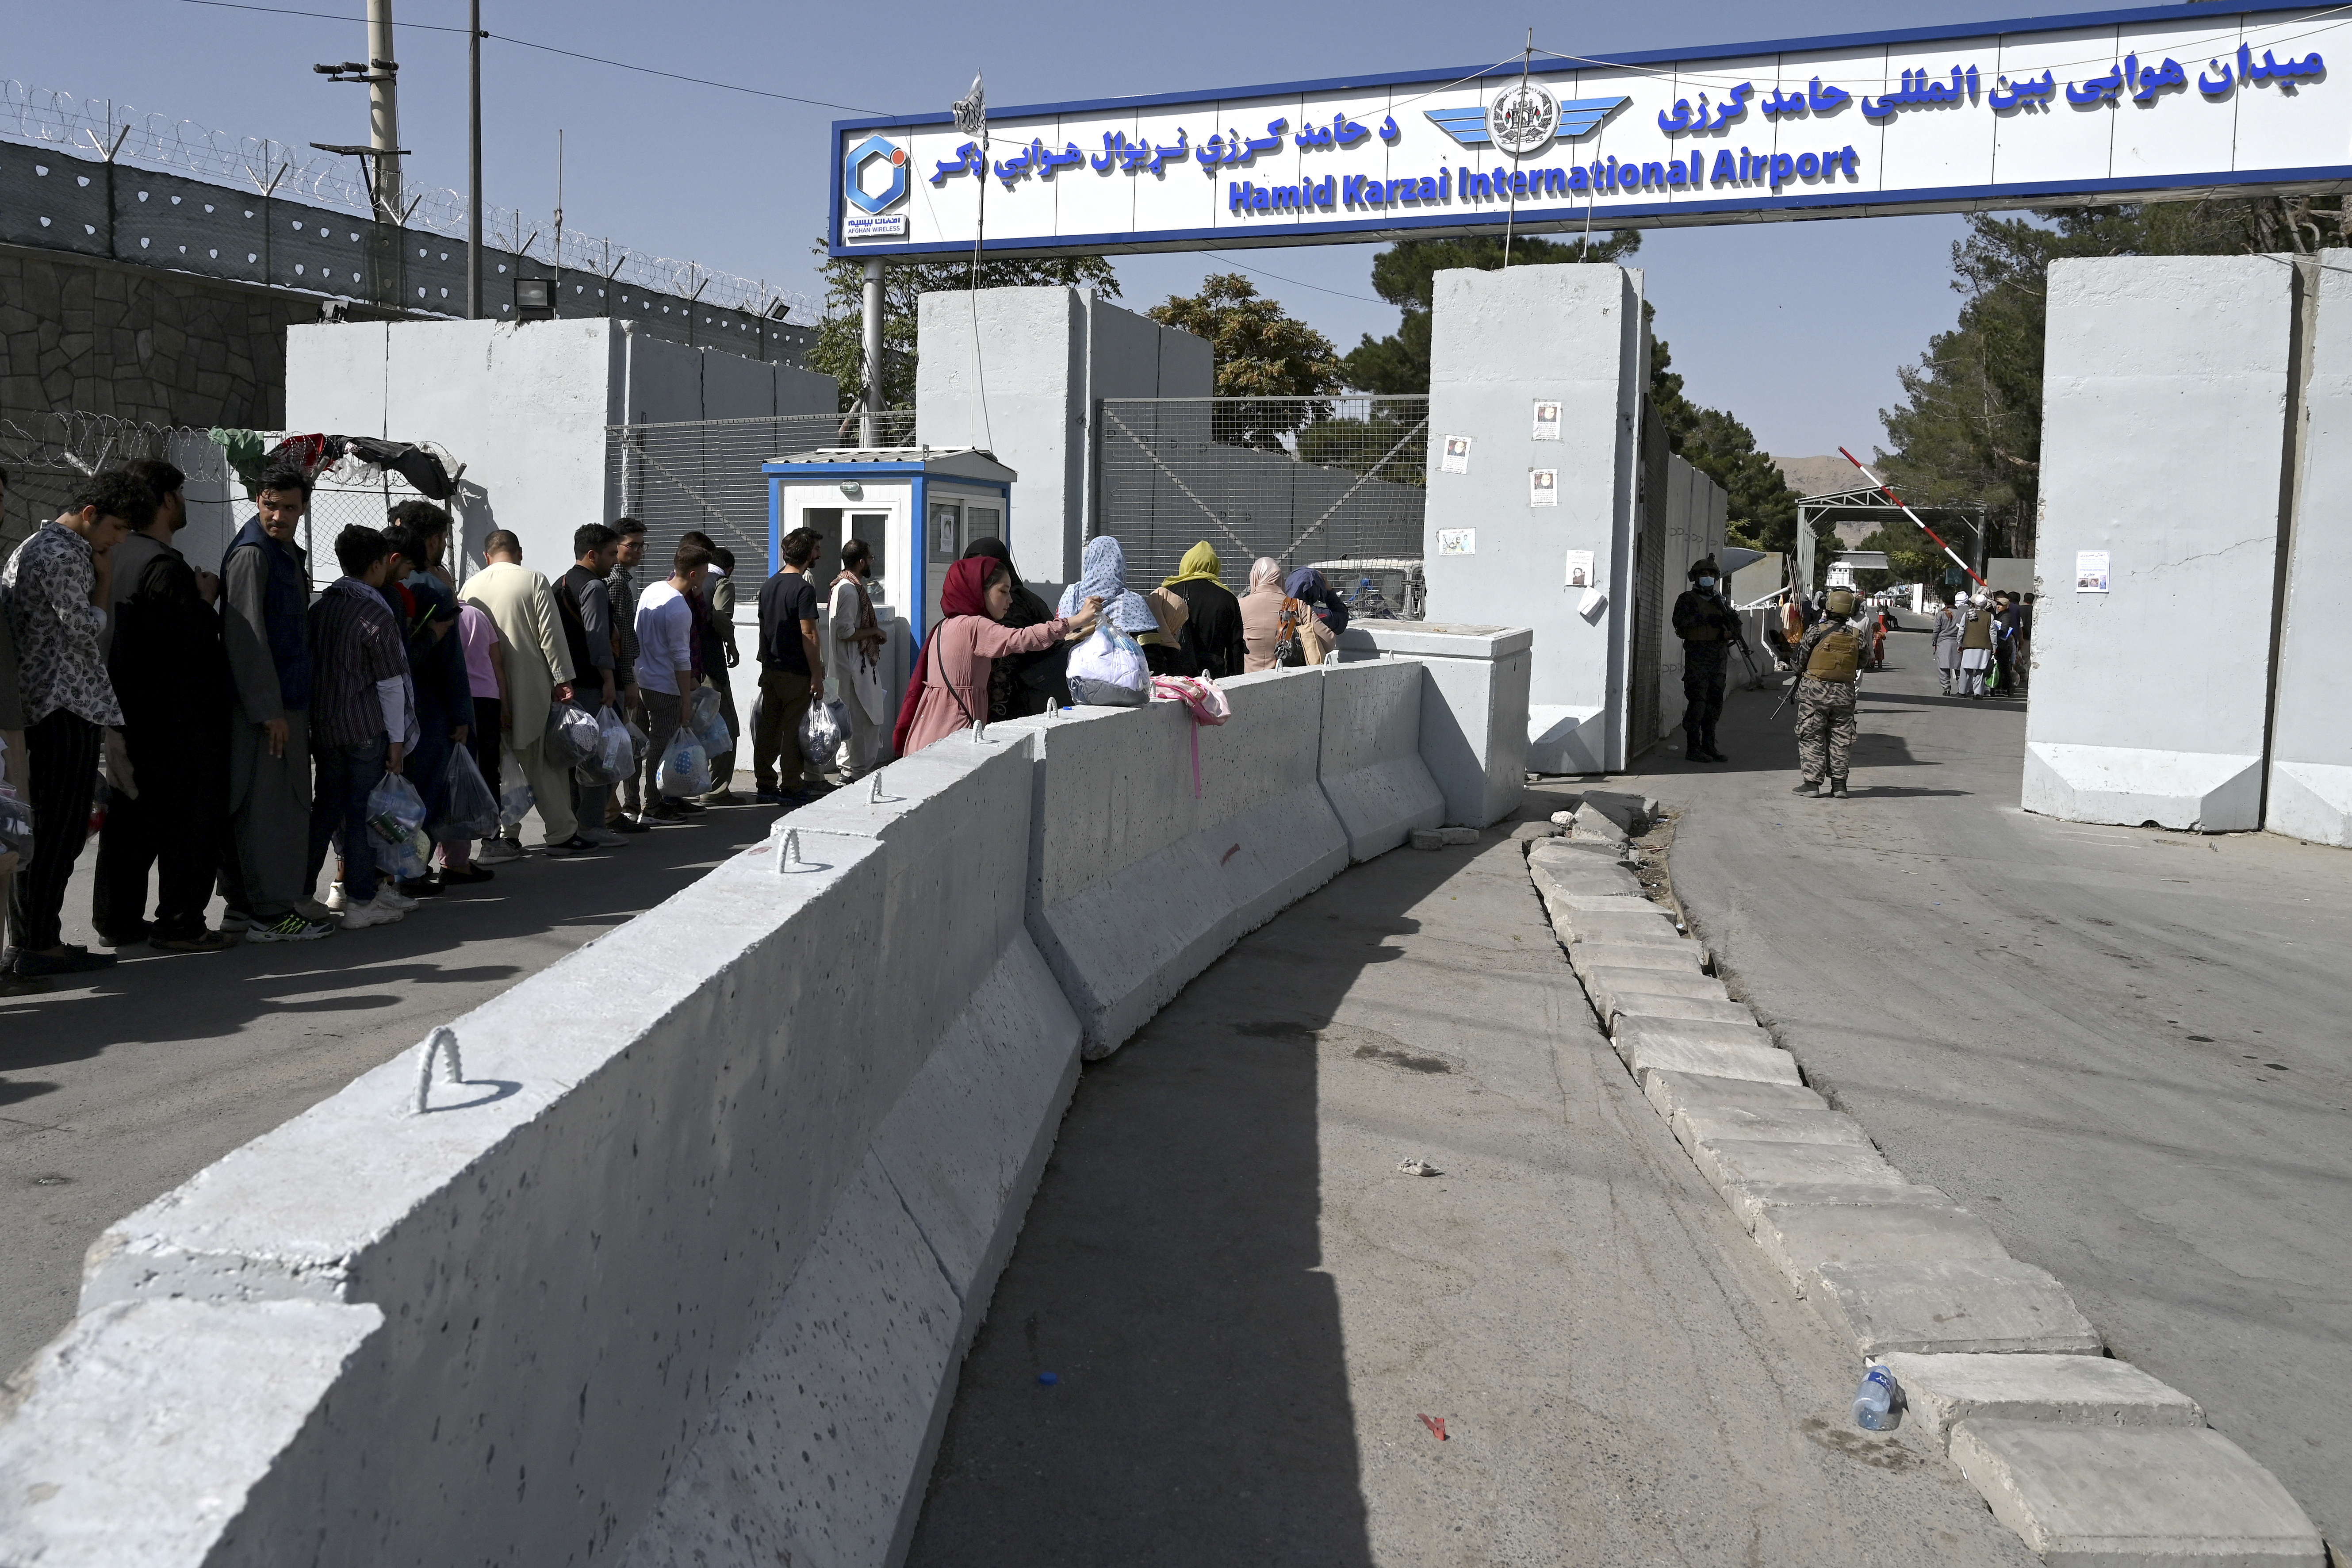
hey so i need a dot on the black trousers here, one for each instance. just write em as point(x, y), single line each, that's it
point(62, 752)
point(1706, 666)
point(175, 827)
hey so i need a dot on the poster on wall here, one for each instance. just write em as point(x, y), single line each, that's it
point(1580, 569)
point(1457, 542)
point(1456, 458)
point(1543, 487)
point(1546, 426)
point(2090, 571)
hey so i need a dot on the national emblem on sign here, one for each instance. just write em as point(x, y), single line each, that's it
point(1523, 119)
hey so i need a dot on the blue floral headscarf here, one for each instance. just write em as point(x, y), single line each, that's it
point(1103, 574)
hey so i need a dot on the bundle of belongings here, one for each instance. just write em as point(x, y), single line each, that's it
point(427, 465)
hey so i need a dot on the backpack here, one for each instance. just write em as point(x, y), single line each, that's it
point(1836, 656)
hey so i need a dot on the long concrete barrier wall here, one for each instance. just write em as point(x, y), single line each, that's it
point(683, 1271)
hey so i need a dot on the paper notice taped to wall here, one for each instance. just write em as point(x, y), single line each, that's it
point(1457, 542)
point(1455, 457)
point(1543, 487)
point(2091, 571)
point(1579, 568)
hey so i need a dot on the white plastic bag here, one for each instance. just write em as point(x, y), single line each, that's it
point(515, 799)
point(823, 729)
point(469, 809)
point(685, 768)
point(707, 718)
point(396, 818)
point(570, 737)
point(1108, 671)
point(614, 756)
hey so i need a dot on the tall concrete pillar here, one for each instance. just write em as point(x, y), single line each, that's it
point(1019, 370)
point(2310, 781)
point(1497, 541)
point(2164, 443)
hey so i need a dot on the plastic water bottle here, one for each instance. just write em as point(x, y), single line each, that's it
point(1874, 1405)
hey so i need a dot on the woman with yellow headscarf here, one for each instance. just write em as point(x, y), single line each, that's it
point(1210, 642)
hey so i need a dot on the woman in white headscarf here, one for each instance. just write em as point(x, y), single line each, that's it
point(1948, 640)
point(1103, 575)
point(1261, 613)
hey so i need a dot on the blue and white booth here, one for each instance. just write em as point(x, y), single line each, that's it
point(919, 507)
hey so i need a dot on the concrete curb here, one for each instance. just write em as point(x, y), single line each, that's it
point(2089, 1460)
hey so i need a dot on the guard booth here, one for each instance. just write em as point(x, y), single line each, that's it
point(919, 508)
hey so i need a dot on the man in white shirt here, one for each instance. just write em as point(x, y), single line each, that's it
point(539, 675)
point(666, 669)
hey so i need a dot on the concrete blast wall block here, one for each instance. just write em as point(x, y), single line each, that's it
point(2192, 791)
point(818, 1450)
point(1959, 1305)
point(1473, 710)
point(1137, 884)
point(559, 1324)
point(1372, 768)
point(2165, 436)
point(151, 1432)
point(1499, 343)
point(2107, 1498)
point(813, 1452)
point(2311, 746)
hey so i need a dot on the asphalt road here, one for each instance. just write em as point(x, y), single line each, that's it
point(114, 1093)
point(2125, 1048)
point(1249, 1311)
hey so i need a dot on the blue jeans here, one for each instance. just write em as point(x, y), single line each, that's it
point(338, 799)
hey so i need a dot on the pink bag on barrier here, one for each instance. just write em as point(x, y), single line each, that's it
point(1198, 693)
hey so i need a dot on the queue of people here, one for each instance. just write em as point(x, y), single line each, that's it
point(1983, 644)
point(235, 729)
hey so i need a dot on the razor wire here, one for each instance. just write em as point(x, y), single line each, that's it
point(104, 130)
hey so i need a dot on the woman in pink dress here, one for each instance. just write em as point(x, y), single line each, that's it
point(950, 687)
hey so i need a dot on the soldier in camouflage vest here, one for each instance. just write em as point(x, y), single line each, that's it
point(1829, 665)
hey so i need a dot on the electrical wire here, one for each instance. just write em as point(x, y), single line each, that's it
point(545, 49)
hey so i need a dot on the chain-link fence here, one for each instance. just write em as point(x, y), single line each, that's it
point(704, 474)
point(48, 457)
point(1338, 482)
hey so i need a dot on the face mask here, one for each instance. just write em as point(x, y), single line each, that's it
point(1707, 582)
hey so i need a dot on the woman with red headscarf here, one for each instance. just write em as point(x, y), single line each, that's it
point(948, 690)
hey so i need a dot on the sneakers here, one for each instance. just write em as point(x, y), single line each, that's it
point(289, 928)
point(391, 898)
point(375, 912)
point(235, 924)
point(130, 936)
point(627, 825)
point(189, 942)
point(722, 796)
point(497, 851)
point(578, 843)
point(664, 813)
point(335, 899)
point(1807, 787)
point(603, 837)
point(769, 797)
point(424, 887)
point(465, 877)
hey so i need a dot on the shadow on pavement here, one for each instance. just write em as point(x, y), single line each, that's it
point(1168, 1277)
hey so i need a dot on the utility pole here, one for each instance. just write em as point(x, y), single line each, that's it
point(474, 163)
point(383, 112)
point(870, 426)
point(557, 299)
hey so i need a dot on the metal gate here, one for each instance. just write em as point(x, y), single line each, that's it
point(1307, 480)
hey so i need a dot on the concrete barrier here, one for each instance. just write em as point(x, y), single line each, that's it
point(1137, 884)
point(1371, 769)
point(1474, 711)
point(683, 1268)
point(727, 1164)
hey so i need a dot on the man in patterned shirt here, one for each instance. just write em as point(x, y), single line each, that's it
point(54, 591)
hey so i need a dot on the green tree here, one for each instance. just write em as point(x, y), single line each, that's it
point(840, 350)
point(1405, 276)
point(1261, 351)
point(1759, 508)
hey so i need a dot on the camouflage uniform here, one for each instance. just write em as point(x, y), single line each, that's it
point(1707, 628)
point(1825, 717)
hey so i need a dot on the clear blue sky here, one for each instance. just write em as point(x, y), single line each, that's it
point(1798, 328)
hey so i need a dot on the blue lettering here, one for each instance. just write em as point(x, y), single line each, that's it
point(1285, 198)
point(1852, 163)
point(1326, 193)
point(1809, 167)
point(1784, 168)
point(1353, 193)
point(1676, 174)
point(1260, 201)
point(1238, 196)
point(1445, 178)
point(1519, 182)
point(1653, 173)
point(1555, 181)
point(1478, 185)
point(1577, 180)
point(1724, 167)
point(1428, 191)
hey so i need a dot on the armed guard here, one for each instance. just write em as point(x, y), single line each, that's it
point(1704, 619)
point(1829, 662)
